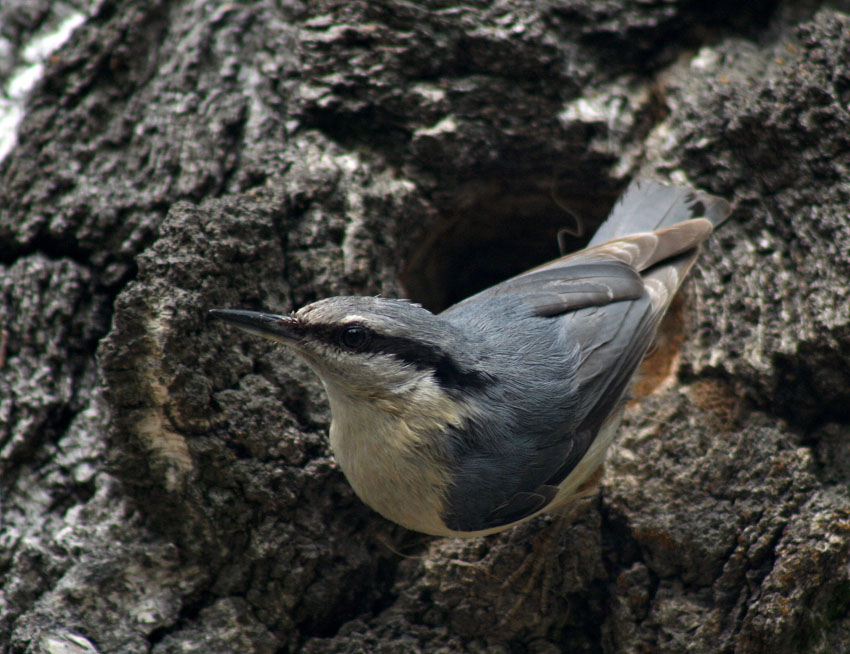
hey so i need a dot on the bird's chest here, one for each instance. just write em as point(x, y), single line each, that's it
point(389, 465)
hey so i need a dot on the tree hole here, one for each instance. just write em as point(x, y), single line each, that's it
point(495, 230)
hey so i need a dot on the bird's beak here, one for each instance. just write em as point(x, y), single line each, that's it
point(283, 329)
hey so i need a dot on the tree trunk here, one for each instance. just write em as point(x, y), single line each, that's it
point(167, 484)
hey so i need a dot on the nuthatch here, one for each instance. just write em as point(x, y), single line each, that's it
point(502, 406)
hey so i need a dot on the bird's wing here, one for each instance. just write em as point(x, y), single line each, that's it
point(608, 272)
point(502, 477)
point(607, 301)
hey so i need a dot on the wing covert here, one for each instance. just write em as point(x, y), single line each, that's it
point(600, 308)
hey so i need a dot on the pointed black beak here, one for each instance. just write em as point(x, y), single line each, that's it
point(283, 329)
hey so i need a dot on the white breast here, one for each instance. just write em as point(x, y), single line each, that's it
point(390, 457)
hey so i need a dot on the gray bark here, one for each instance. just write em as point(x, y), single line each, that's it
point(166, 483)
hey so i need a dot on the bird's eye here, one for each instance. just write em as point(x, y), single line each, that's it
point(354, 337)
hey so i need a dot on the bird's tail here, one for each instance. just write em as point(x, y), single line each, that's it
point(649, 205)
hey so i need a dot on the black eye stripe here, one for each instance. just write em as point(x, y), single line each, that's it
point(421, 355)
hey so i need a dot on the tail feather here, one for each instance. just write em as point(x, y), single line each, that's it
point(648, 205)
point(663, 281)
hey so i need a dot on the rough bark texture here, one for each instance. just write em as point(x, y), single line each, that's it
point(166, 483)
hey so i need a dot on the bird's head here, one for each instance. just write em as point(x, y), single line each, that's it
point(368, 348)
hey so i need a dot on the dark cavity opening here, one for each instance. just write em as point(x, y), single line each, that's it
point(494, 230)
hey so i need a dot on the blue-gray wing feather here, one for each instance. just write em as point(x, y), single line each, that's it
point(508, 463)
point(566, 339)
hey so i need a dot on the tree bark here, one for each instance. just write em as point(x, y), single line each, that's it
point(166, 483)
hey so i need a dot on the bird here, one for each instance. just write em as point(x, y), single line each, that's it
point(503, 406)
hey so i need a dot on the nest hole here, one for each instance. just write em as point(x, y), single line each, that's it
point(489, 235)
